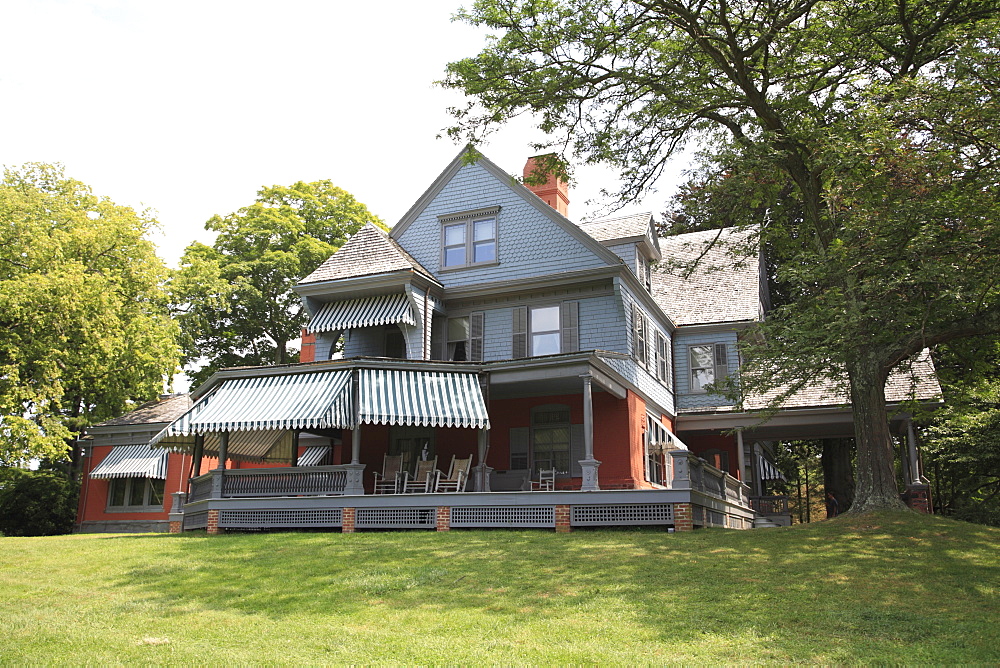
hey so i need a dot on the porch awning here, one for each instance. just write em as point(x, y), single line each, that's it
point(260, 412)
point(132, 461)
point(364, 312)
point(421, 398)
point(313, 455)
point(768, 471)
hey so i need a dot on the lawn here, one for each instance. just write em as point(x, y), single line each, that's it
point(892, 588)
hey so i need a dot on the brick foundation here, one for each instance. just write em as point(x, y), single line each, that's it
point(176, 526)
point(683, 519)
point(443, 518)
point(213, 522)
point(918, 498)
point(347, 520)
point(562, 519)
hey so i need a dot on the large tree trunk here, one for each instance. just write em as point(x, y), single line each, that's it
point(838, 470)
point(876, 474)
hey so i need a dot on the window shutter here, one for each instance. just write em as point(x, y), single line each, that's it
point(661, 358)
point(569, 322)
point(669, 363)
point(576, 450)
point(519, 439)
point(636, 352)
point(721, 362)
point(476, 324)
point(519, 342)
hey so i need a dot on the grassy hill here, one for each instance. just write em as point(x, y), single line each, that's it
point(890, 588)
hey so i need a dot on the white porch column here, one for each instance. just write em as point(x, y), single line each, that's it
point(588, 463)
point(482, 471)
point(355, 470)
point(741, 451)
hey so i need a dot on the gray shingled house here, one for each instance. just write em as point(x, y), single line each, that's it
point(486, 363)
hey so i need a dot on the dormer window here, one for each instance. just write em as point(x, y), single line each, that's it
point(469, 239)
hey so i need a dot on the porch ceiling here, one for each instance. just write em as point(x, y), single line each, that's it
point(835, 422)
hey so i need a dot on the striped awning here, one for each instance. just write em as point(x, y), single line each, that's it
point(132, 461)
point(421, 398)
point(768, 471)
point(313, 455)
point(364, 312)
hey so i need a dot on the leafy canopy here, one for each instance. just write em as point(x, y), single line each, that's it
point(860, 140)
point(86, 327)
point(234, 299)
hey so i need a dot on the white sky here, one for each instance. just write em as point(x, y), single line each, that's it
point(189, 107)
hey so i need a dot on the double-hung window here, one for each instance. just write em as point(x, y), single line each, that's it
point(135, 494)
point(469, 240)
point(663, 359)
point(708, 364)
point(640, 335)
point(545, 329)
point(465, 338)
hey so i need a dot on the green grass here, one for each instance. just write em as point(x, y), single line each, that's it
point(894, 588)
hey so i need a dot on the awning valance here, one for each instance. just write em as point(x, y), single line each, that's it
point(132, 461)
point(421, 398)
point(260, 412)
point(364, 312)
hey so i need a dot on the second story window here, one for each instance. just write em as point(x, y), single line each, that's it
point(544, 330)
point(469, 242)
point(708, 364)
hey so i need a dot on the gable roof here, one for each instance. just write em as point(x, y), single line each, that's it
point(461, 160)
point(370, 251)
point(165, 409)
point(722, 287)
point(620, 228)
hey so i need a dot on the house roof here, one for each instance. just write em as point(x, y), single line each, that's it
point(724, 285)
point(165, 409)
point(912, 380)
point(622, 227)
point(369, 252)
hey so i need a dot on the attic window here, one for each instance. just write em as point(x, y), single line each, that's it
point(469, 239)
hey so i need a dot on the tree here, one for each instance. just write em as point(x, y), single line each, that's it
point(234, 299)
point(864, 133)
point(85, 321)
point(37, 503)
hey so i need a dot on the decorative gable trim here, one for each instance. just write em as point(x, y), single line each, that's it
point(465, 215)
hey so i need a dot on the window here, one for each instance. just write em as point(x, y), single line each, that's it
point(708, 364)
point(469, 242)
point(414, 443)
point(130, 494)
point(640, 333)
point(642, 270)
point(545, 330)
point(550, 438)
point(458, 339)
point(395, 345)
point(663, 358)
point(657, 441)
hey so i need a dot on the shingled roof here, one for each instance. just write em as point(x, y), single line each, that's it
point(623, 227)
point(369, 252)
point(165, 409)
point(722, 288)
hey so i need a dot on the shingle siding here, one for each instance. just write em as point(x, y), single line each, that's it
point(682, 368)
point(528, 243)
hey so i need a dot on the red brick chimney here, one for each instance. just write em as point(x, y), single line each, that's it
point(554, 192)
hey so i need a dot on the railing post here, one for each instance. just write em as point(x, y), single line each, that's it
point(176, 515)
point(682, 470)
point(218, 480)
point(355, 480)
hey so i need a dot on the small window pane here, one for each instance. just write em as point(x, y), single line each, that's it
point(701, 357)
point(137, 492)
point(454, 256)
point(545, 319)
point(156, 492)
point(483, 230)
point(458, 329)
point(545, 344)
point(484, 251)
point(700, 378)
point(117, 492)
point(454, 235)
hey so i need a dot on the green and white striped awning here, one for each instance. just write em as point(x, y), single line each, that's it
point(313, 455)
point(132, 461)
point(364, 312)
point(260, 412)
point(421, 398)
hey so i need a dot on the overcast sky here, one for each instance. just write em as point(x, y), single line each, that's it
point(189, 107)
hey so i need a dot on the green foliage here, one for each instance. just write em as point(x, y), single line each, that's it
point(234, 299)
point(877, 589)
point(860, 139)
point(86, 326)
point(41, 503)
point(962, 442)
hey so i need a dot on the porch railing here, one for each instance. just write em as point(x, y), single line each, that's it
point(265, 482)
point(769, 505)
point(201, 488)
point(691, 472)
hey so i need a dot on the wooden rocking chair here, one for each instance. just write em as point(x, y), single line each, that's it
point(458, 476)
point(546, 481)
point(423, 479)
point(388, 481)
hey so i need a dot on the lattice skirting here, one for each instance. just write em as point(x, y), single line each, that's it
point(396, 518)
point(503, 516)
point(197, 520)
point(270, 519)
point(627, 515)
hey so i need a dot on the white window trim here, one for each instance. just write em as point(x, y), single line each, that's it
point(692, 368)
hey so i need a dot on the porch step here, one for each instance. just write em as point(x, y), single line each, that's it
point(763, 523)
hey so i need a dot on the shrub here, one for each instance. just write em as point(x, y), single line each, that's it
point(37, 504)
